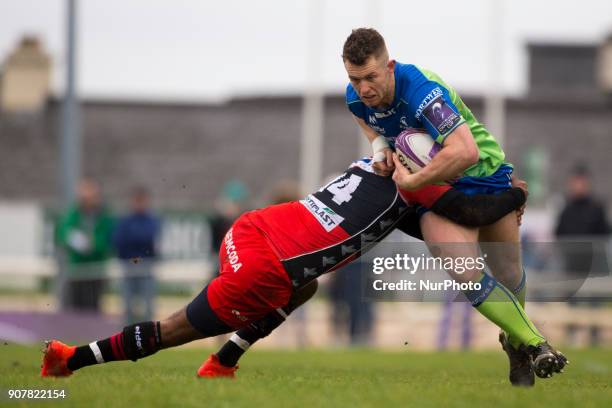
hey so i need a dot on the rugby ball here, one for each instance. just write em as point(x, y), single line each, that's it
point(415, 148)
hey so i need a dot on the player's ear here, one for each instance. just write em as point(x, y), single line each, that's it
point(391, 65)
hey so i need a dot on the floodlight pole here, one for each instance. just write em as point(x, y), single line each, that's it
point(70, 140)
point(70, 144)
point(494, 103)
point(311, 150)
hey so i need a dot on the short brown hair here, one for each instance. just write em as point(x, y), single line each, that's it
point(362, 44)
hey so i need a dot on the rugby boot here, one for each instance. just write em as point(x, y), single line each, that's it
point(521, 371)
point(545, 360)
point(212, 368)
point(55, 360)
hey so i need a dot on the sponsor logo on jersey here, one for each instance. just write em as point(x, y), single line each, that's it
point(230, 250)
point(382, 115)
point(403, 123)
point(325, 215)
point(429, 98)
point(378, 129)
point(372, 119)
point(441, 115)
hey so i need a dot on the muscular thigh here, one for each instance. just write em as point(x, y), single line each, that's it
point(444, 238)
point(504, 230)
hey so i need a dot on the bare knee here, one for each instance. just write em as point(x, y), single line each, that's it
point(505, 266)
point(302, 295)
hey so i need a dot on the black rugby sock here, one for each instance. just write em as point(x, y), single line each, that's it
point(234, 348)
point(135, 341)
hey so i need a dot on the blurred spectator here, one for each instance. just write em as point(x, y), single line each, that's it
point(350, 312)
point(534, 257)
point(227, 208)
point(582, 214)
point(84, 235)
point(284, 192)
point(582, 217)
point(135, 239)
point(454, 304)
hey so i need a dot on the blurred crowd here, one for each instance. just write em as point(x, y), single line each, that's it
point(88, 235)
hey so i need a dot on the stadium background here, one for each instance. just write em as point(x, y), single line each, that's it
point(553, 110)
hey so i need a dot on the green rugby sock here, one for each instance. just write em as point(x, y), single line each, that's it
point(521, 289)
point(520, 292)
point(501, 307)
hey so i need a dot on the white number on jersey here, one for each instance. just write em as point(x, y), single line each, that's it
point(343, 189)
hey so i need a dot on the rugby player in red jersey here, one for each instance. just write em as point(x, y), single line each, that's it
point(269, 262)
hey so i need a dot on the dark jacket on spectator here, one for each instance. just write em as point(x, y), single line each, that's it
point(135, 236)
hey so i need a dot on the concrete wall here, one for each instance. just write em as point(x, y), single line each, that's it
point(185, 153)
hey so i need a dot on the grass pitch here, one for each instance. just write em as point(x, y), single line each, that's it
point(313, 378)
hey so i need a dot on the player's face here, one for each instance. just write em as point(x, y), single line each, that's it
point(373, 81)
